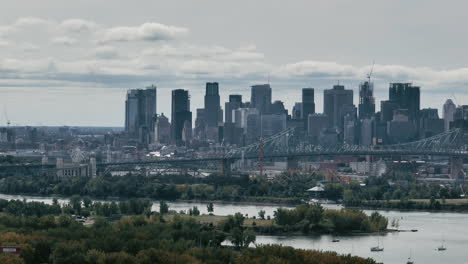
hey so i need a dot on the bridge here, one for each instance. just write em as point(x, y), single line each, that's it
point(287, 144)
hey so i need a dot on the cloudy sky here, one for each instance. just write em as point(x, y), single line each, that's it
point(71, 62)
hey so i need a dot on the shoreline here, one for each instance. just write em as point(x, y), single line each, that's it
point(115, 198)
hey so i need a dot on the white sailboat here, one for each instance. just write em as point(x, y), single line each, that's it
point(378, 248)
point(442, 246)
point(410, 260)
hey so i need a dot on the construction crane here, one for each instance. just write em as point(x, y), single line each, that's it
point(369, 75)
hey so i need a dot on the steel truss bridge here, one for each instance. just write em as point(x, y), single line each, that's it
point(287, 144)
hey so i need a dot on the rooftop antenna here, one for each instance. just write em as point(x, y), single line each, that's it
point(369, 75)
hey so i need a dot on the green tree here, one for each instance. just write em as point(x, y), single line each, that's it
point(75, 202)
point(163, 207)
point(210, 208)
point(261, 214)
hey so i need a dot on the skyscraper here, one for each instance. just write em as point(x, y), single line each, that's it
point(180, 113)
point(140, 109)
point(407, 97)
point(448, 112)
point(235, 102)
point(308, 102)
point(333, 101)
point(212, 104)
point(297, 111)
point(162, 130)
point(366, 100)
point(317, 124)
point(261, 98)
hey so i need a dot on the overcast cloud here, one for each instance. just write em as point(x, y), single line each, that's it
point(70, 64)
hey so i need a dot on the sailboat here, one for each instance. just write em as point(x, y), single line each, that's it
point(377, 248)
point(442, 246)
point(410, 261)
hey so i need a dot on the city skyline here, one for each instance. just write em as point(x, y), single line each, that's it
point(79, 64)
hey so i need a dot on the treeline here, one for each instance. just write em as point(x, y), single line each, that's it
point(287, 188)
point(389, 188)
point(406, 204)
point(143, 240)
point(313, 218)
point(77, 206)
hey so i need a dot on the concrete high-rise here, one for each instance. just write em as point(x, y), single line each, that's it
point(297, 111)
point(317, 124)
point(333, 101)
point(366, 100)
point(407, 97)
point(235, 102)
point(162, 130)
point(448, 112)
point(261, 98)
point(308, 104)
point(140, 110)
point(180, 113)
point(212, 104)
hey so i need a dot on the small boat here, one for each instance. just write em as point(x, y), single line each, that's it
point(410, 261)
point(442, 246)
point(335, 240)
point(378, 248)
point(414, 230)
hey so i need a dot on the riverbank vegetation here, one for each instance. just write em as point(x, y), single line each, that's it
point(315, 219)
point(286, 188)
point(140, 239)
point(404, 192)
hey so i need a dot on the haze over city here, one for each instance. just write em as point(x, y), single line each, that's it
point(79, 58)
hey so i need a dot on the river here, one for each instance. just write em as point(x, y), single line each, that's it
point(433, 229)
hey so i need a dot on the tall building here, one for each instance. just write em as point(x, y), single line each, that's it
point(366, 100)
point(162, 130)
point(200, 125)
point(297, 111)
point(277, 107)
point(448, 112)
point(180, 113)
point(271, 124)
point(430, 123)
point(387, 108)
point(235, 102)
point(406, 96)
point(317, 124)
point(212, 104)
point(365, 136)
point(140, 109)
point(261, 98)
point(333, 101)
point(308, 102)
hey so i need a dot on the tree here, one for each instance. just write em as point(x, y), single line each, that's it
point(75, 202)
point(87, 202)
point(210, 208)
point(261, 214)
point(194, 211)
point(163, 207)
point(242, 238)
